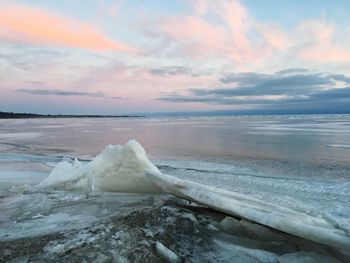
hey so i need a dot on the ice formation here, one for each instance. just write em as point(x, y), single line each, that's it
point(118, 168)
point(125, 168)
point(275, 216)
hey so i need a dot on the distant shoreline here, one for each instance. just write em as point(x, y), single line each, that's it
point(12, 115)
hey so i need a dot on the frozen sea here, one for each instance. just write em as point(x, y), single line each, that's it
point(301, 162)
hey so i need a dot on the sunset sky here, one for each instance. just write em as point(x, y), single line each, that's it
point(110, 57)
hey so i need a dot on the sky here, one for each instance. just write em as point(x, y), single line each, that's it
point(119, 56)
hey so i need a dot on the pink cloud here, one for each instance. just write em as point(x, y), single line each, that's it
point(226, 30)
point(192, 33)
point(323, 43)
point(274, 37)
point(226, 35)
point(136, 84)
point(21, 24)
point(324, 54)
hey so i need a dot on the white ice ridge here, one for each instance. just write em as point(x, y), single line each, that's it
point(125, 168)
point(118, 168)
point(278, 217)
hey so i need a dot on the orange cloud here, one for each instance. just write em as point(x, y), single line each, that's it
point(21, 24)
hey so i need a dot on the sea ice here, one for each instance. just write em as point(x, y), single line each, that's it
point(68, 176)
point(118, 168)
point(19, 135)
point(275, 216)
point(121, 168)
point(306, 257)
point(339, 145)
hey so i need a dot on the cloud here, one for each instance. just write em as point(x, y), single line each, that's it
point(22, 24)
point(34, 82)
point(248, 78)
point(322, 42)
point(118, 98)
point(291, 89)
point(178, 70)
point(273, 36)
point(223, 36)
point(61, 93)
point(248, 84)
point(227, 31)
point(173, 70)
point(291, 71)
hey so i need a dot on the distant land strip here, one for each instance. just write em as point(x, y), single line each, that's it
point(13, 115)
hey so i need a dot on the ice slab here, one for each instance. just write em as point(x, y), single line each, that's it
point(275, 216)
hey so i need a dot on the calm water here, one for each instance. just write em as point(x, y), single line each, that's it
point(311, 143)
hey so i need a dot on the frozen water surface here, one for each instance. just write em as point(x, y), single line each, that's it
point(301, 163)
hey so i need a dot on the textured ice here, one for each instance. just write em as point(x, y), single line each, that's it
point(43, 212)
point(325, 196)
point(265, 200)
point(273, 215)
point(339, 145)
point(69, 176)
point(118, 168)
point(19, 135)
point(27, 157)
point(306, 257)
point(243, 254)
point(25, 177)
point(38, 225)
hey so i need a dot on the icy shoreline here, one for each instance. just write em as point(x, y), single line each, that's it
point(278, 217)
point(126, 168)
point(147, 228)
point(69, 204)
